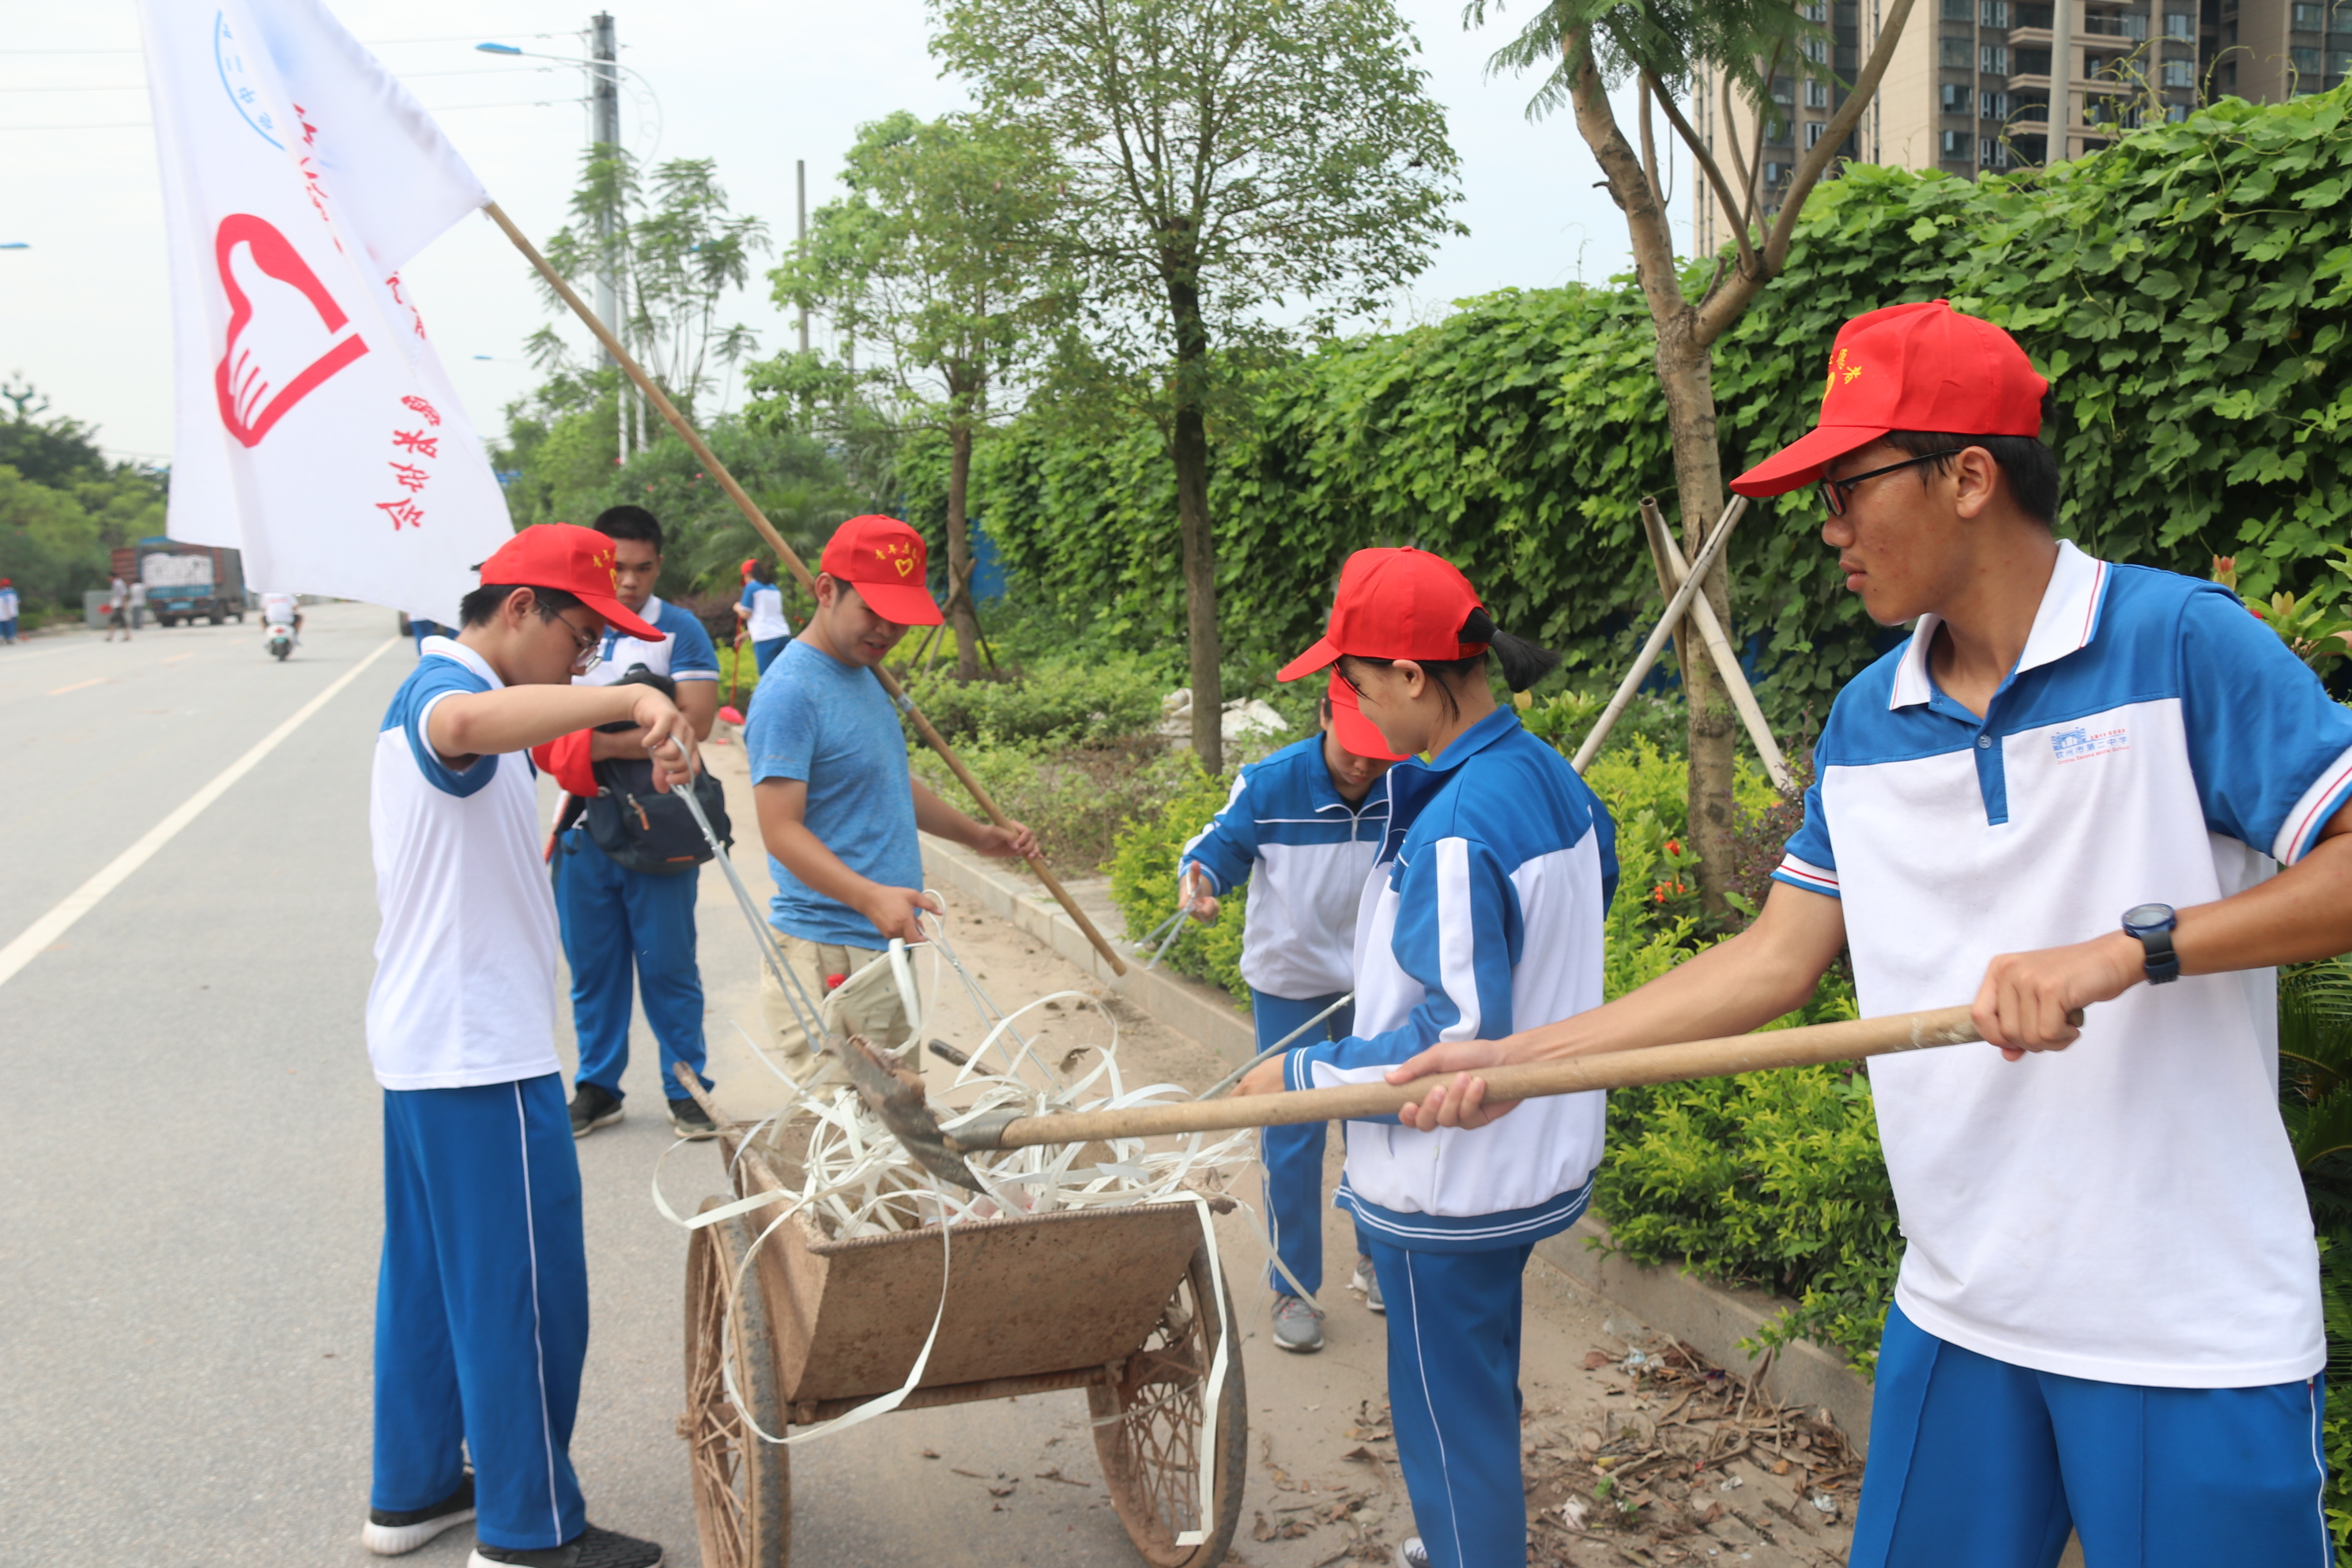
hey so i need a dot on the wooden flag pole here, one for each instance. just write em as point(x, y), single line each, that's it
point(784, 552)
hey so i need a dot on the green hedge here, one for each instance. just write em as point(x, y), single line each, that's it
point(2188, 291)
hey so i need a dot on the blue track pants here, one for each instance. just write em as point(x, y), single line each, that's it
point(1975, 1463)
point(1294, 1155)
point(764, 652)
point(1454, 1397)
point(482, 1308)
point(617, 923)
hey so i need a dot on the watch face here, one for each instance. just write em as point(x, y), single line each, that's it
point(2147, 917)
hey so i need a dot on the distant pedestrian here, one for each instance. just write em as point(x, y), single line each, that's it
point(761, 612)
point(1304, 829)
point(118, 610)
point(138, 597)
point(839, 810)
point(420, 628)
point(619, 922)
point(7, 611)
point(481, 1311)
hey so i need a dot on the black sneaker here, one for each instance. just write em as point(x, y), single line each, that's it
point(591, 1548)
point(689, 1120)
point(388, 1534)
point(592, 1107)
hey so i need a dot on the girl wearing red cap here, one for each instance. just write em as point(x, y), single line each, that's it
point(1485, 916)
point(1303, 828)
point(7, 611)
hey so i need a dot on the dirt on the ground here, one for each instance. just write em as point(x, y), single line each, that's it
point(1635, 1450)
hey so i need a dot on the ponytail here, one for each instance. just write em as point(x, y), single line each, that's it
point(1523, 663)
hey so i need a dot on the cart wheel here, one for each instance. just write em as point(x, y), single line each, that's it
point(742, 1485)
point(1151, 1453)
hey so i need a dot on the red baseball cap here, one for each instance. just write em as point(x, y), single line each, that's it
point(884, 560)
point(1394, 604)
point(748, 567)
point(1909, 367)
point(1356, 734)
point(577, 560)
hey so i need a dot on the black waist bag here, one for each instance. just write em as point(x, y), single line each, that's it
point(644, 830)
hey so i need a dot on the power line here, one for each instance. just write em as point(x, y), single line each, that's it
point(372, 42)
point(442, 109)
point(404, 76)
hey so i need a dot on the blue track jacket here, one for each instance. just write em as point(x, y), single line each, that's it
point(1485, 919)
point(1305, 852)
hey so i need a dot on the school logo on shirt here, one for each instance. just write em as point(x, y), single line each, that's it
point(2074, 744)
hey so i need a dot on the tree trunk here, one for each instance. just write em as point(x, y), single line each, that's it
point(1687, 373)
point(1188, 447)
point(961, 616)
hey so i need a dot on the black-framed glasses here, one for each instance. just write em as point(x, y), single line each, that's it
point(585, 655)
point(1833, 491)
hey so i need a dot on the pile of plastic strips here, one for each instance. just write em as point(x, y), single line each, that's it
point(854, 1179)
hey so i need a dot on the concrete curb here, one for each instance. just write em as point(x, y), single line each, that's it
point(1712, 1319)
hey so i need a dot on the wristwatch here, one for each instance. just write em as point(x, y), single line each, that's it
point(2152, 924)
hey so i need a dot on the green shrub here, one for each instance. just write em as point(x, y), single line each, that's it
point(1143, 880)
point(1073, 702)
point(1074, 797)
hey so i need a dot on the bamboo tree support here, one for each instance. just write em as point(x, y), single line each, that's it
point(1672, 570)
point(785, 552)
point(1707, 551)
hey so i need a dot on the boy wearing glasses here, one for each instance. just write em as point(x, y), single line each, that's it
point(2078, 784)
point(482, 1298)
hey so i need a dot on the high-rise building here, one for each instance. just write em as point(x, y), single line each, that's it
point(1969, 86)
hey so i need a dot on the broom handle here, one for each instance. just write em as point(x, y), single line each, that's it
point(759, 520)
point(1803, 1047)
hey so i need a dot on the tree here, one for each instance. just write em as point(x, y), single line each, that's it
point(672, 262)
point(929, 260)
point(1670, 51)
point(1219, 159)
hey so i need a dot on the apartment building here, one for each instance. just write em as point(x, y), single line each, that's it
point(1970, 84)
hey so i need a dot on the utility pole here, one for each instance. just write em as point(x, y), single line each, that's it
point(2060, 144)
point(605, 141)
point(799, 175)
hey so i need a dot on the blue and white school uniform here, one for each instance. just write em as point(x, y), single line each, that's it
point(2108, 1313)
point(616, 922)
point(766, 625)
point(1305, 850)
point(482, 1298)
point(1485, 920)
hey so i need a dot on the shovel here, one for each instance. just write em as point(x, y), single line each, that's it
point(896, 1094)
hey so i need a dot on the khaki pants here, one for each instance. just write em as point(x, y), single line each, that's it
point(868, 1004)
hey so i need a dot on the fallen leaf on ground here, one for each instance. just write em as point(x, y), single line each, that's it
point(959, 1470)
point(930, 1453)
point(1055, 1475)
point(1595, 1360)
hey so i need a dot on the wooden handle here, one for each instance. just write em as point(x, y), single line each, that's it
point(1803, 1047)
point(784, 552)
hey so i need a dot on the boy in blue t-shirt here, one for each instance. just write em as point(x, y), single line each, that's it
point(482, 1298)
point(839, 808)
point(1303, 828)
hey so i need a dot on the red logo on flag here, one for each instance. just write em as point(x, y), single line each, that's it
point(251, 400)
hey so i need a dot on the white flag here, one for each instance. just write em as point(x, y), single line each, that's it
point(315, 431)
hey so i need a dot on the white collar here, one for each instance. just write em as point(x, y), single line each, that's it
point(2066, 623)
point(650, 614)
point(450, 647)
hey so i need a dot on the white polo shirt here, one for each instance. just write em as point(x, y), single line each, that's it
point(2127, 1210)
point(464, 979)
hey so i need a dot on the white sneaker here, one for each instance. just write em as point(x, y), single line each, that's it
point(1367, 1284)
point(1413, 1553)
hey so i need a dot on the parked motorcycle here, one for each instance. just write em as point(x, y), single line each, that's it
point(281, 640)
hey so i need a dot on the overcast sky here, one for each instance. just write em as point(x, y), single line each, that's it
point(84, 311)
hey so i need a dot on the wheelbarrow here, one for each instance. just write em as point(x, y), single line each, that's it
point(1120, 1302)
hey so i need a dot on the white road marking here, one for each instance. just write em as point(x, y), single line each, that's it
point(84, 898)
